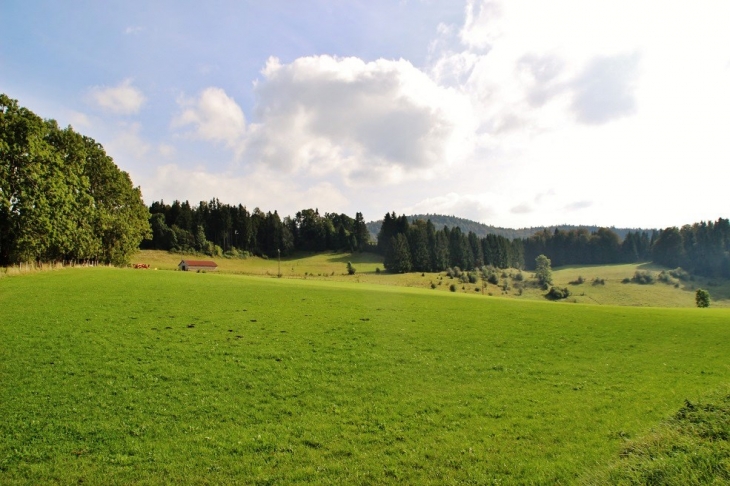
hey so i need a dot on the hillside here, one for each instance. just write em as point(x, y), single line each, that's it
point(482, 230)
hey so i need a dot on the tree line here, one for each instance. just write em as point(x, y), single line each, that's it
point(62, 198)
point(409, 245)
point(420, 247)
point(216, 229)
point(581, 247)
point(702, 248)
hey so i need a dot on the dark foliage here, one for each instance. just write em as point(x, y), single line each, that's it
point(556, 293)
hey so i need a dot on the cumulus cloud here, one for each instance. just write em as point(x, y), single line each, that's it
point(123, 99)
point(214, 115)
point(382, 119)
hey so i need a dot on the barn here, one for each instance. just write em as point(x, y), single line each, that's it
point(197, 265)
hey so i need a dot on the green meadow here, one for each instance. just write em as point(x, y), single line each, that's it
point(332, 267)
point(116, 376)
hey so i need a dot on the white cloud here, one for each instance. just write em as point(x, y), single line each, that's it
point(132, 30)
point(382, 120)
point(123, 99)
point(215, 116)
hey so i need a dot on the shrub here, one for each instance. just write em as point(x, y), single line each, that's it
point(556, 293)
point(599, 281)
point(473, 277)
point(452, 287)
point(433, 285)
point(702, 298)
point(493, 279)
point(643, 278)
point(578, 280)
point(350, 269)
point(626, 280)
point(519, 277)
point(680, 274)
point(377, 269)
point(664, 277)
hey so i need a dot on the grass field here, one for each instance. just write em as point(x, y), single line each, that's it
point(332, 267)
point(120, 376)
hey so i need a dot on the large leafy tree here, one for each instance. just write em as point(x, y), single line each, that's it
point(61, 196)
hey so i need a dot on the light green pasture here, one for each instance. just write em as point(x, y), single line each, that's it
point(122, 376)
point(333, 267)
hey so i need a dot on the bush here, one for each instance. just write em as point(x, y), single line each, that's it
point(350, 269)
point(452, 287)
point(702, 298)
point(665, 277)
point(519, 277)
point(643, 278)
point(473, 277)
point(578, 280)
point(599, 281)
point(556, 293)
point(433, 285)
point(493, 279)
point(680, 274)
point(377, 269)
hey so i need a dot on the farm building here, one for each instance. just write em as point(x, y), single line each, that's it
point(197, 265)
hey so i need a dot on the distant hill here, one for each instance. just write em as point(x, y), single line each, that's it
point(482, 230)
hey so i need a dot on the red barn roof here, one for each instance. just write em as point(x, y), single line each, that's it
point(200, 263)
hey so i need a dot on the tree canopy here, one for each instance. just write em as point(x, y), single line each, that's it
point(62, 197)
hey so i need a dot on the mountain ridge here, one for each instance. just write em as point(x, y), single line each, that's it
point(482, 230)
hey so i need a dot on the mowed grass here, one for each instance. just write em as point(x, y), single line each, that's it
point(333, 267)
point(116, 376)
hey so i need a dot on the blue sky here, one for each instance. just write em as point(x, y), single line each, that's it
point(518, 113)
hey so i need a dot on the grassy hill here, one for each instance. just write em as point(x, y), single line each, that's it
point(120, 376)
point(332, 267)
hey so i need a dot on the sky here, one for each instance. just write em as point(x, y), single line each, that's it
point(513, 113)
